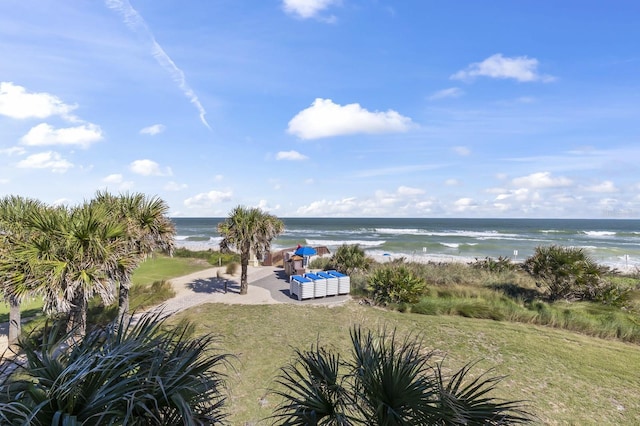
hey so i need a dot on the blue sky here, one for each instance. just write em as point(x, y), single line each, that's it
point(381, 108)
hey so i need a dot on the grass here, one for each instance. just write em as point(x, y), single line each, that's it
point(568, 378)
point(162, 267)
point(156, 269)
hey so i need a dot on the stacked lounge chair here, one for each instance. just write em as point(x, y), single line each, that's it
point(301, 287)
point(332, 283)
point(344, 281)
point(319, 284)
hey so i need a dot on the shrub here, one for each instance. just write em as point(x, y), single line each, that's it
point(217, 258)
point(351, 258)
point(143, 296)
point(566, 273)
point(501, 264)
point(133, 372)
point(387, 381)
point(232, 268)
point(395, 284)
point(323, 263)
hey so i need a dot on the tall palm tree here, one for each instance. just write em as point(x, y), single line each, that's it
point(248, 230)
point(71, 252)
point(147, 229)
point(15, 277)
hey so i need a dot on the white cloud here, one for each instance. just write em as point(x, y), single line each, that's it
point(174, 186)
point(541, 180)
point(138, 25)
point(452, 92)
point(325, 118)
point(218, 178)
point(208, 199)
point(264, 206)
point(44, 134)
point(148, 168)
point(16, 102)
point(307, 8)
point(14, 150)
point(520, 68)
point(452, 182)
point(46, 160)
point(465, 205)
point(604, 187)
point(521, 194)
point(113, 178)
point(291, 155)
point(342, 207)
point(117, 179)
point(408, 191)
point(462, 150)
point(153, 130)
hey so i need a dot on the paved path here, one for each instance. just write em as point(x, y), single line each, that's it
point(267, 285)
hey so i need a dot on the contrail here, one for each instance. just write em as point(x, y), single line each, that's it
point(136, 23)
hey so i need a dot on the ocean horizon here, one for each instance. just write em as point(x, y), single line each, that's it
point(612, 242)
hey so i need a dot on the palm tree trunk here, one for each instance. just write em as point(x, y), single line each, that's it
point(14, 320)
point(244, 265)
point(123, 297)
point(78, 315)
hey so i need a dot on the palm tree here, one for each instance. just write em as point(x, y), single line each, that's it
point(71, 253)
point(248, 230)
point(388, 381)
point(15, 276)
point(148, 228)
point(137, 373)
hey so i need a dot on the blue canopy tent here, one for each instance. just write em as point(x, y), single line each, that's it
point(305, 252)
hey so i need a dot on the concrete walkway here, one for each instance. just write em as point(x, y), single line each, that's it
point(267, 285)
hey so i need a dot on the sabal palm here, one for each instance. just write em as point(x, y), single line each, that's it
point(349, 258)
point(388, 381)
point(148, 228)
point(248, 230)
point(135, 373)
point(71, 253)
point(15, 277)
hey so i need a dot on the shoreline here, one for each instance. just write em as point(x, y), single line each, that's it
point(620, 266)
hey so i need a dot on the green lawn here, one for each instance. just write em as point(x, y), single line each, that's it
point(157, 268)
point(568, 378)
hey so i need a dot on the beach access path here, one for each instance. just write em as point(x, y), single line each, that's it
point(267, 285)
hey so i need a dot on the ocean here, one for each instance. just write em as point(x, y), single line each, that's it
point(613, 242)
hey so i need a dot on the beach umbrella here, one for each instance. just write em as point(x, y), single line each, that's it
point(305, 251)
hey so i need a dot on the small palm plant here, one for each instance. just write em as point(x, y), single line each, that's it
point(395, 284)
point(388, 381)
point(138, 373)
point(350, 258)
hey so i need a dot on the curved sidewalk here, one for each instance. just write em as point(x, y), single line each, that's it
point(267, 285)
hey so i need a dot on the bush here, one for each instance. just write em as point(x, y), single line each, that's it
point(133, 372)
point(567, 273)
point(143, 296)
point(395, 284)
point(232, 268)
point(217, 258)
point(351, 258)
point(323, 263)
point(388, 380)
point(501, 264)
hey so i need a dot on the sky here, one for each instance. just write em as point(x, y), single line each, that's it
point(326, 108)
